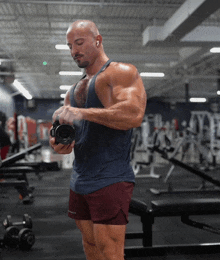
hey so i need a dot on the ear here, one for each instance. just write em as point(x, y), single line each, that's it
point(98, 40)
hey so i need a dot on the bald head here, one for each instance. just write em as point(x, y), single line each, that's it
point(84, 25)
point(85, 43)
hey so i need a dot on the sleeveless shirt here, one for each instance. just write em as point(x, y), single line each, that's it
point(102, 154)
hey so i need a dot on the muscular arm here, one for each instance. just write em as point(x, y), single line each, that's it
point(124, 101)
point(125, 107)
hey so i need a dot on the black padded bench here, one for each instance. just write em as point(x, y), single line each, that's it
point(188, 207)
point(17, 169)
point(19, 173)
point(184, 208)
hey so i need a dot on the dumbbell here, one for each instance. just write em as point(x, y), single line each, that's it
point(24, 238)
point(26, 223)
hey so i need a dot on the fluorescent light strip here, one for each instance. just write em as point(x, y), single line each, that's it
point(215, 50)
point(152, 74)
point(198, 100)
point(65, 87)
point(20, 88)
point(70, 73)
point(62, 95)
point(61, 47)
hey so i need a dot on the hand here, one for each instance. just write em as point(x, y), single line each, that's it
point(67, 115)
point(61, 148)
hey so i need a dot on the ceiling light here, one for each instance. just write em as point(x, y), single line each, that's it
point(5, 60)
point(62, 95)
point(72, 73)
point(152, 74)
point(61, 47)
point(199, 100)
point(215, 50)
point(65, 87)
point(20, 88)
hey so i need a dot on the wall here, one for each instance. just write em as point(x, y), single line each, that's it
point(38, 109)
point(179, 111)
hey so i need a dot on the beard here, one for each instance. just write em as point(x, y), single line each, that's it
point(82, 65)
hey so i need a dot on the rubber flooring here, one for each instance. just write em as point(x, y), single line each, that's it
point(58, 238)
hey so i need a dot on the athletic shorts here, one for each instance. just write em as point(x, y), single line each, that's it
point(109, 205)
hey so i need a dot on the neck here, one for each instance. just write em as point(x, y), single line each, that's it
point(96, 65)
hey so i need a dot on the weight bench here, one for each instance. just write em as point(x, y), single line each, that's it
point(18, 172)
point(22, 187)
point(38, 166)
point(18, 156)
point(21, 183)
point(184, 208)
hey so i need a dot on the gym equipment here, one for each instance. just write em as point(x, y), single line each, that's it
point(206, 125)
point(140, 155)
point(24, 238)
point(26, 223)
point(199, 173)
point(167, 152)
point(21, 155)
point(11, 237)
point(183, 208)
point(38, 166)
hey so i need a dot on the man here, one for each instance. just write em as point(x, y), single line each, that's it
point(104, 106)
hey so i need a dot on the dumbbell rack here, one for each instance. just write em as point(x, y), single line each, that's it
point(14, 237)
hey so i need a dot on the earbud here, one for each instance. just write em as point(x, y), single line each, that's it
point(97, 43)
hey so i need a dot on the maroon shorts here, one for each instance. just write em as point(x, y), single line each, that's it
point(109, 205)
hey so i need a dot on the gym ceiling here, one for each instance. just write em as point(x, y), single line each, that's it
point(173, 37)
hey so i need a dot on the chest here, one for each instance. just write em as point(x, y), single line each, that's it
point(81, 91)
point(103, 91)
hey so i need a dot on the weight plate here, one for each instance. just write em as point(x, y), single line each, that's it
point(7, 222)
point(11, 237)
point(28, 221)
point(26, 239)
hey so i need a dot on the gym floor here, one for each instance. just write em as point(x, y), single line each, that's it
point(58, 238)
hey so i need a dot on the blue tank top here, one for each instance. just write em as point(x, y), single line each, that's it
point(102, 154)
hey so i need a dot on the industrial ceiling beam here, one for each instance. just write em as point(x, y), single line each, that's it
point(203, 34)
point(102, 3)
point(183, 21)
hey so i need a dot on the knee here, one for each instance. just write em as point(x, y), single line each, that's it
point(105, 245)
point(111, 248)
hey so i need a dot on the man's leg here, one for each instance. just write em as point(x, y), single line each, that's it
point(110, 240)
point(102, 242)
point(89, 244)
point(104, 235)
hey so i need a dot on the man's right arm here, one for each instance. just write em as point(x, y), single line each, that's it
point(61, 148)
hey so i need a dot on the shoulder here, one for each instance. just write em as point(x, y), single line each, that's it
point(122, 68)
point(118, 71)
point(68, 93)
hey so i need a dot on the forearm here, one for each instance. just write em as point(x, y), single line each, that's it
point(115, 117)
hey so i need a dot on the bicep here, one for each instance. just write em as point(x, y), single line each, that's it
point(129, 90)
